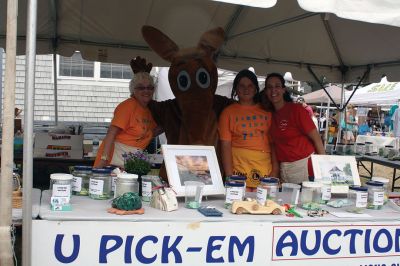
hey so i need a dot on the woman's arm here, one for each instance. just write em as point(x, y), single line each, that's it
point(226, 150)
point(109, 140)
point(316, 140)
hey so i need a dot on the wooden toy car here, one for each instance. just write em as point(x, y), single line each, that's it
point(252, 207)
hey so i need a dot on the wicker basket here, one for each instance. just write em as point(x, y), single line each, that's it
point(17, 199)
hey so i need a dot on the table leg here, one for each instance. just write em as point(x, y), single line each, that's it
point(372, 169)
point(394, 179)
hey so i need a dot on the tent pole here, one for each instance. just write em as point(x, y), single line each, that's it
point(55, 88)
point(28, 132)
point(7, 149)
point(327, 122)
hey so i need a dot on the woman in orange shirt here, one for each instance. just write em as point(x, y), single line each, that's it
point(243, 132)
point(132, 127)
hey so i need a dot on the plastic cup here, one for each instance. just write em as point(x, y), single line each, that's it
point(290, 193)
point(193, 194)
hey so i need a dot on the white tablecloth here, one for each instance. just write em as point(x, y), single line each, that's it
point(86, 209)
point(380, 141)
point(17, 213)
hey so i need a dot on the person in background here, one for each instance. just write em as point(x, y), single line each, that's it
point(315, 116)
point(243, 132)
point(132, 126)
point(350, 126)
point(293, 133)
point(309, 109)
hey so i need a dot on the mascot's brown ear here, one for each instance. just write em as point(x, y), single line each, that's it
point(211, 40)
point(160, 43)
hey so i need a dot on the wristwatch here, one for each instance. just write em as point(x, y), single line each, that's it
point(103, 157)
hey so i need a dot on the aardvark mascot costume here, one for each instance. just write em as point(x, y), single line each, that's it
point(192, 117)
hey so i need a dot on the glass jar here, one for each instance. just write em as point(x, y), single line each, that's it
point(126, 183)
point(329, 149)
point(100, 184)
point(326, 191)
point(237, 179)
point(311, 193)
point(234, 192)
point(147, 186)
point(385, 182)
point(80, 181)
point(368, 148)
point(357, 198)
point(114, 177)
point(376, 195)
point(350, 149)
point(393, 154)
point(386, 150)
point(360, 148)
point(340, 148)
point(267, 189)
point(61, 185)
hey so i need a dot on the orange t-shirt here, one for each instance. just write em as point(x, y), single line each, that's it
point(245, 126)
point(136, 123)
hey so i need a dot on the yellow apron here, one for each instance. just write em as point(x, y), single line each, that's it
point(252, 164)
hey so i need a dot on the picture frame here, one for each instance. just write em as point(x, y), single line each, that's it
point(193, 163)
point(342, 171)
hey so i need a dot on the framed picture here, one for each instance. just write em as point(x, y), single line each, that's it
point(193, 163)
point(341, 170)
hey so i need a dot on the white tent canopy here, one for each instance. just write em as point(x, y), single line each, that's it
point(320, 96)
point(283, 38)
point(377, 93)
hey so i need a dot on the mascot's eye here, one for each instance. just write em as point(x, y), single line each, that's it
point(183, 80)
point(203, 78)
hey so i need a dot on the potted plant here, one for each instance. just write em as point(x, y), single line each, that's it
point(137, 163)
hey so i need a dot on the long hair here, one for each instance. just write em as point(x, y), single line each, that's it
point(245, 73)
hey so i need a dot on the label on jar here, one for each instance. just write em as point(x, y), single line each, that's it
point(361, 199)
point(146, 189)
point(61, 190)
point(77, 183)
point(326, 193)
point(113, 179)
point(233, 193)
point(262, 194)
point(272, 192)
point(379, 198)
point(96, 187)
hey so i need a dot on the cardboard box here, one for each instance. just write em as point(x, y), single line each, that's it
point(58, 141)
point(63, 154)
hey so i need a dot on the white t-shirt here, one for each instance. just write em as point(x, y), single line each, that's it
point(396, 123)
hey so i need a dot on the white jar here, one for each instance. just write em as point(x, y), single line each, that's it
point(357, 198)
point(61, 185)
point(385, 182)
point(126, 183)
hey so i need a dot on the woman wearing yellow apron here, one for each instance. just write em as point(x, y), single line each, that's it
point(243, 132)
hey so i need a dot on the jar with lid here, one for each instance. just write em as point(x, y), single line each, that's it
point(360, 148)
point(386, 150)
point(80, 181)
point(326, 190)
point(114, 177)
point(61, 185)
point(340, 148)
point(234, 192)
point(126, 183)
point(267, 189)
point(148, 182)
point(329, 148)
point(237, 179)
point(100, 184)
point(393, 154)
point(385, 182)
point(376, 195)
point(357, 198)
point(311, 193)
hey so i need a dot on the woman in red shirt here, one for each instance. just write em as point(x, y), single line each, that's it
point(293, 133)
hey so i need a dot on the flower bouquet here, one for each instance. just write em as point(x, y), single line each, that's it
point(137, 163)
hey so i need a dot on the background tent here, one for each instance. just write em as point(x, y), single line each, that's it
point(283, 38)
point(320, 96)
point(377, 93)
